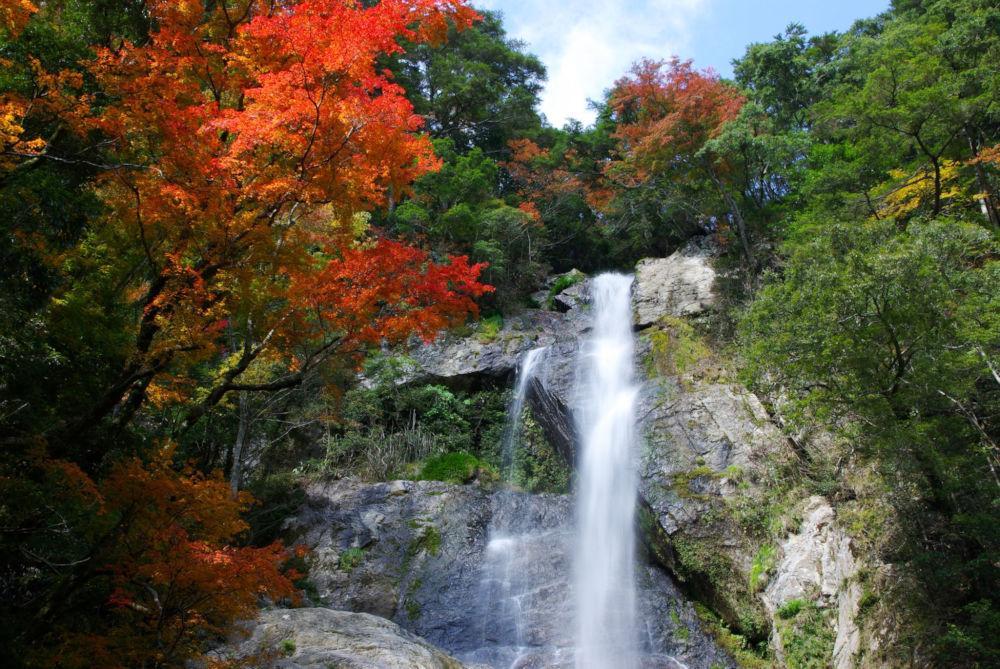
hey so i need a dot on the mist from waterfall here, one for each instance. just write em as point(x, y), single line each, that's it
point(606, 487)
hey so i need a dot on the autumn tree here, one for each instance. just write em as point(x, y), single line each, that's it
point(157, 568)
point(242, 152)
point(216, 171)
point(666, 114)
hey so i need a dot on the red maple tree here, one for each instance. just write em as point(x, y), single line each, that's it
point(247, 140)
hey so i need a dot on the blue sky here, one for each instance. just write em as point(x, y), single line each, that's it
point(587, 44)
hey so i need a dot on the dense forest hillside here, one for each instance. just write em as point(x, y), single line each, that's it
point(216, 214)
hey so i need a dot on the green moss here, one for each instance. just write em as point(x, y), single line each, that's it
point(791, 608)
point(675, 349)
point(563, 282)
point(680, 629)
point(428, 540)
point(702, 558)
point(489, 328)
point(683, 480)
point(868, 600)
point(287, 647)
point(350, 559)
point(762, 565)
point(412, 608)
point(807, 637)
point(537, 466)
point(460, 467)
point(745, 654)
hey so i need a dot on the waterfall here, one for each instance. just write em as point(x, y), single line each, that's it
point(512, 431)
point(606, 487)
point(504, 579)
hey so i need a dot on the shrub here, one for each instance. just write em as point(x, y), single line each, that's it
point(351, 558)
point(791, 608)
point(457, 467)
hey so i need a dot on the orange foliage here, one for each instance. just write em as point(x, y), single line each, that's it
point(666, 112)
point(247, 137)
point(172, 577)
point(541, 178)
point(988, 156)
point(14, 14)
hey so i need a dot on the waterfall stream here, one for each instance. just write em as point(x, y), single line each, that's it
point(505, 580)
point(606, 487)
point(536, 577)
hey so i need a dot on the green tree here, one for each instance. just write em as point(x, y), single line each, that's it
point(894, 337)
point(480, 89)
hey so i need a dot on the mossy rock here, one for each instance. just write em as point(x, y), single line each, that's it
point(676, 349)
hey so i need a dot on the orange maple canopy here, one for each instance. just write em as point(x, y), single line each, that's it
point(245, 138)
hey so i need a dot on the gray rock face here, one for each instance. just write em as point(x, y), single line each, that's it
point(818, 564)
point(427, 562)
point(467, 360)
point(719, 431)
point(322, 638)
point(680, 285)
point(706, 443)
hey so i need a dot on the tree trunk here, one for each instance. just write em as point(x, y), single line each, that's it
point(734, 211)
point(989, 199)
point(236, 473)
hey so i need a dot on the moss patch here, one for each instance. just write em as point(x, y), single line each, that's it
point(746, 654)
point(807, 636)
point(563, 282)
point(428, 540)
point(460, 467)
point(763, 564)
point(676, 349)
point(350, 559)
point(489, 329)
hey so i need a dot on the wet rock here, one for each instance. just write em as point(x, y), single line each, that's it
point(321, 638)
point(424, 568)
point(680, 285)
point(455, 360)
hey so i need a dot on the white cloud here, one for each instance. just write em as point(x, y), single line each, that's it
point(588, 44)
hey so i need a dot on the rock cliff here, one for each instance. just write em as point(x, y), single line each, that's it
point(710, 456)
point(768, 563)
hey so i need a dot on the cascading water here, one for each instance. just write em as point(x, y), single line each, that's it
point(607, 484)
point(511, 540)
point(513, 429)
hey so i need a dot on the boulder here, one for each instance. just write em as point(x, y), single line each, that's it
point(679, 285)
point(316, 638)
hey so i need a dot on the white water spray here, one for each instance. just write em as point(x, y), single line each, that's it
point(515, 426)
point(605, 555)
